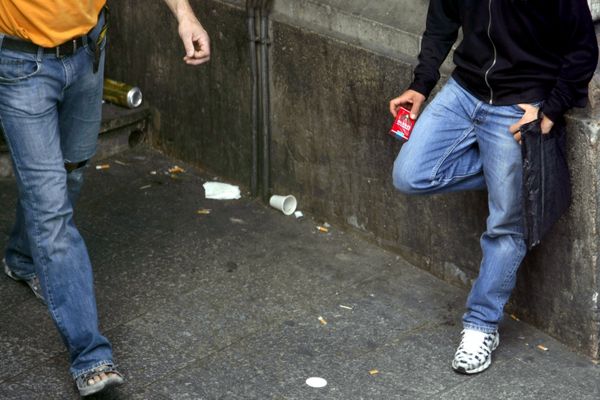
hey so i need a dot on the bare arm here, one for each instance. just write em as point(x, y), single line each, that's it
point(194, 37)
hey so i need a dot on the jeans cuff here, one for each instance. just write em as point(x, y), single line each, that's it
point(82, 372)
point(481, 328)
point(25, 277)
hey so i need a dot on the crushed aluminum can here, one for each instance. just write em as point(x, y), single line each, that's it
point(403, 124)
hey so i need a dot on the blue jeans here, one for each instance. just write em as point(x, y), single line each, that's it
point(461, 143)
point(50, 112)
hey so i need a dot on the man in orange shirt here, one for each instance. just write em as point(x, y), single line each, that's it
point(51, 74)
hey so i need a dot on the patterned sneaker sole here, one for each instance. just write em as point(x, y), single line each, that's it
point(463, 371)
point(481, 368)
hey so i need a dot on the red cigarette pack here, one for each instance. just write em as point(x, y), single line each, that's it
point(403, 124)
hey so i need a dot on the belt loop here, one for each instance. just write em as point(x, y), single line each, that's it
point(40, 53)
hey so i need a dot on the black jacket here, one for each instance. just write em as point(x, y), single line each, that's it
point(513, 51)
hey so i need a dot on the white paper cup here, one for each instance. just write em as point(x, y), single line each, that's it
point(285, 204)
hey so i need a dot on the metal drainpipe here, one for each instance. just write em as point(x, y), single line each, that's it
point(265, 8)
point(251, 8)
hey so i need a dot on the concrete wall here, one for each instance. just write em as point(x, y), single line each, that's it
point(595, 8)
point(204, 112)
point(335, 65)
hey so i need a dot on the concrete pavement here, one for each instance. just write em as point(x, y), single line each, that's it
point(226, 305)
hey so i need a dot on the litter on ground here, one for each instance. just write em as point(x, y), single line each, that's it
point(176, 169)
point(221, 191)
point(316, 382)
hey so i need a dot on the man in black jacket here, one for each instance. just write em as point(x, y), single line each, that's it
point(518, 59)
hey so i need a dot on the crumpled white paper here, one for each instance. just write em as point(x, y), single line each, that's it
point(221, 191)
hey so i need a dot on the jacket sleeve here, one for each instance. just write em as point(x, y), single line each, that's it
point(579, 49)
point(440, 34)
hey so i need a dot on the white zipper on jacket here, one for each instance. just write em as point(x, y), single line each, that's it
point(487, 82)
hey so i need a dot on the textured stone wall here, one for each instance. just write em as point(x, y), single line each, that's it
point(330, 146)
point(595, 8)
point(204, 112)
point(334, 154)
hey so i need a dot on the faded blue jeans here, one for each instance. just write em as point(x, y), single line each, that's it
point(461, 143)
point(50, 112)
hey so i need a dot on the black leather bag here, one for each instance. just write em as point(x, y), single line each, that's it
point(546, 179)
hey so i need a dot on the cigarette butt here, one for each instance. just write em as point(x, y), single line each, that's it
point(152, 172)
point(145, 187)
point(322, 229)
point(322, 320)
point(513, 316)
point(102, 166)
point(346, 307)
point(373, 372)
point(204, 211)
point(542, 347)
point(176, 169)
point(120, 162)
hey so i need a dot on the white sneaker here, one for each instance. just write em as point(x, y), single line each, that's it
point(474, 354)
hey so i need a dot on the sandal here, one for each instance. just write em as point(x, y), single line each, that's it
point(87, 384)
point(33, 283)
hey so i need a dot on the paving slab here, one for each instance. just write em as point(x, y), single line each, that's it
point(226, 305)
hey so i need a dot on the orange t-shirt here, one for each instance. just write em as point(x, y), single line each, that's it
point(48, 23)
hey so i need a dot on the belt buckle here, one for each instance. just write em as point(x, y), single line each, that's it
point(74, 48)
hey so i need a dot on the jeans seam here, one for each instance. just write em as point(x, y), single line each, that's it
point(43, 267)
point(445, 156)
point(515, 266)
